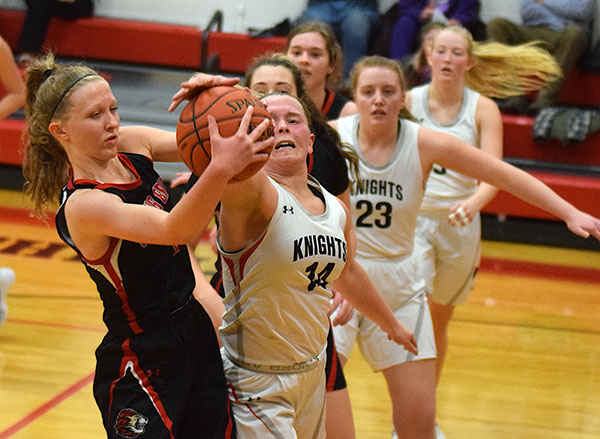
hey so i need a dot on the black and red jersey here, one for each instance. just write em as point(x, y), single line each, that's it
point(139, 284)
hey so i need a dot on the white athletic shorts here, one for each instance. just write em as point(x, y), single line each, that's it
point(399, 283)
point(277, 405)
point(448, 257)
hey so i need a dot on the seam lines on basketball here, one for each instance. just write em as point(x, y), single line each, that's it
point(199, 141)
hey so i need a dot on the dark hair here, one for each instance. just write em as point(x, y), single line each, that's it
point(276, 60)
point(334, 50)
point(316, 121)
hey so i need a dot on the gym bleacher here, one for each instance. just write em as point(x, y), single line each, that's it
point(146, 61)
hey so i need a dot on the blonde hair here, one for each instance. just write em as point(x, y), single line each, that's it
point(501, 70)
point(45, 162)
point(380, 61)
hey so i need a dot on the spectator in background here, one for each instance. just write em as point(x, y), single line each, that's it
point(37, 20)
point(352, 22)
point(412, 15)
point(12, 99)
point(417, 70)
point(564, 27)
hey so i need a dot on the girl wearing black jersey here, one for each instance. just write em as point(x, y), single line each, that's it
point(313, 48)
point(159, 372)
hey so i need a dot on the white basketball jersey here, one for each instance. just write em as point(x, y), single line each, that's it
point(444, 186)
point(385, 208)
point(278, 289)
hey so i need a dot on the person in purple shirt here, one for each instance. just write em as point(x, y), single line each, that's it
point(414, 14)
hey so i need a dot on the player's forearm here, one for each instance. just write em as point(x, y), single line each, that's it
point(195, 210)
point(357, 288)
point(484, 194)
point(10, 104)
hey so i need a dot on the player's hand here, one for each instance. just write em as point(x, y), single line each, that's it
point(198, 83)
point(345, 311)
point(401, 335)
point(583, 224)
point(234, 153)
point(180, 178)
point(462, 213)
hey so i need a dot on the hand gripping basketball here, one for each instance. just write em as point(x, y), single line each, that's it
point(227, 105)
point(243, 154)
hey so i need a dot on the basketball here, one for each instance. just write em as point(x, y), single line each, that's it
point(228, 106)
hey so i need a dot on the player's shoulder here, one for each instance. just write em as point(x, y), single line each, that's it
point(136, 139)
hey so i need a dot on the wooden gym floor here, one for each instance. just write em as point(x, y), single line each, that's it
point(524, 359)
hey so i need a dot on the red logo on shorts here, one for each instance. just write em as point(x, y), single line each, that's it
point(130, 424)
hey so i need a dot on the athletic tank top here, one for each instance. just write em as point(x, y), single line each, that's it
point(278, 289)
point(329, 166)
point(444, 186)
point(385, 209)
point(139, 284)
point(333, 105)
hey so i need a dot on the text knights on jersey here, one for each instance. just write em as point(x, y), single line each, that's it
point(313, 245)
point(377, 187)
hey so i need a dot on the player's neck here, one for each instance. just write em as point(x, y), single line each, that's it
point(318, 96)
point(446, 93)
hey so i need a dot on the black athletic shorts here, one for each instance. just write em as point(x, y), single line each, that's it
point(164, 383)
point(334, 375)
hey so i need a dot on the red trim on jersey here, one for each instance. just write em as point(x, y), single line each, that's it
point(120, 290)
point(70, 180)
point(231, 266)
point(130, 356)
point(105, 261)
point(246, 255)
point(229, 428)
point(219, 283)
point(100, 185)
point(329, 97)
point(243, 259)
point(249, 408)
point(105, 258)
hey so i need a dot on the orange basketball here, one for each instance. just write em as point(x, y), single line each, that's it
point(227, 105)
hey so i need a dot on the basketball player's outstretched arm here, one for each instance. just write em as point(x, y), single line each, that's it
point(449, 152)
point(191, 214)
point(356, 287)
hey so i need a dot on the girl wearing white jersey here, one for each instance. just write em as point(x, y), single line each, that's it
point(448, 234)
point(283, 241)
point(397, 156)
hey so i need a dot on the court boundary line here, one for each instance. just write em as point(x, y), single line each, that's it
point(47, 406)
